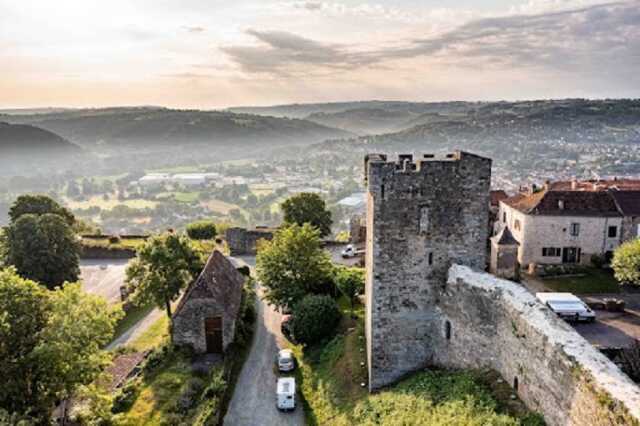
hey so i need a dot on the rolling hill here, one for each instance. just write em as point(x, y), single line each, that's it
point(152, 129)
point(26, 149)
point(22, 138)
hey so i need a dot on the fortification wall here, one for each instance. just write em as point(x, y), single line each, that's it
point(484, 321)
point(245, 242)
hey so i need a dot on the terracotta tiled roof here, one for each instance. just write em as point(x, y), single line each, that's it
point(565, 203)
point(596, 185)
point(496, 196)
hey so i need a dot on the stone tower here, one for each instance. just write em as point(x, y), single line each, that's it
point(504, 255)
point(422, 216)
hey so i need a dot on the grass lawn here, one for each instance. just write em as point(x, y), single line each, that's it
point(186, 197)
point(330, 378)
point(153, 337)
point(594, 281)
point(135, 314)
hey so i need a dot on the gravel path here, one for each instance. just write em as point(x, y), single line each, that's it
point(254, 400)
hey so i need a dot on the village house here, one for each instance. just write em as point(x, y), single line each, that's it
point(205, 318)
point(569, 222)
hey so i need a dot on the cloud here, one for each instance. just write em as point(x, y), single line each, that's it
point(193, 29)
point(594, 39)
point(309, 5)
point(281, 52)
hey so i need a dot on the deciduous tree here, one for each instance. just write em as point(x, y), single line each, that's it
point(50, 342)
point(350, 282)
point(43, 248)
point(293, 265)
point(308, 208)
point(38, 205)
point(163, 267)
point(626, 262)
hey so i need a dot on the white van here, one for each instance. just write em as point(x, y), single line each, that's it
point(567, 306)
point(286, 394)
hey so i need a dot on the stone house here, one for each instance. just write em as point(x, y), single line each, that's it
point(569, 222)
point(205, 318)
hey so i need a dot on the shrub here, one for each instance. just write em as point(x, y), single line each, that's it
point(315, 318)
point(597, 261)
point(156, 358)
point(626, 262)
point(124, 399)
point(202, 230)
point(216, 387)
point(244, 270)
point(114, 239)
point(190, 395)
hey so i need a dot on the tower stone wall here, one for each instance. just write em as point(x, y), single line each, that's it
point(423, 215)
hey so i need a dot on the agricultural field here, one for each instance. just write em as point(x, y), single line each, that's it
point(99, 201)
point(218, 206)
point(261, 189)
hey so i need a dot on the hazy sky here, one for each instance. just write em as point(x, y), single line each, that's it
point(216, 53)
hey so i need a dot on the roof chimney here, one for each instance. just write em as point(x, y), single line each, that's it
point(574, 183)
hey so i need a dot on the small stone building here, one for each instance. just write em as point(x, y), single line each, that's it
point(206, 316)
point(504, 255)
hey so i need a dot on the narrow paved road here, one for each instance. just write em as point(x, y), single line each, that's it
point(103, 277)
point(254, 400)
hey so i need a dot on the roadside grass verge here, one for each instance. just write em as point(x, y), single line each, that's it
point(592, 281)
point(131, 317)
point(155, 336)
point(330, 376)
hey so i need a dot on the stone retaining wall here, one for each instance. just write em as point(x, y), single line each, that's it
point(484, 321)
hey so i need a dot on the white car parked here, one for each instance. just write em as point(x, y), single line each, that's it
point(286, 361)
point(567, 306)
point(286, 394)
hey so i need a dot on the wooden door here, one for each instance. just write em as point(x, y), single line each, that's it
point(213, 333)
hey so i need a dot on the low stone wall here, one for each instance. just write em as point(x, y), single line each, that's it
point(245, 242)
point(96, 252)
point(489, 322)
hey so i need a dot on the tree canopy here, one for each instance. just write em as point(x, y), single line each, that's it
point(38, 205)
point(293, 265)
point(626, 262)
point(314, 318)
point(163, 267)
point(201, 230)
point(50, 342)
point(308, 208)
point(350, 282)
point(43, 248)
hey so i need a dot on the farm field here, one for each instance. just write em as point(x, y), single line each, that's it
point(109, 204)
